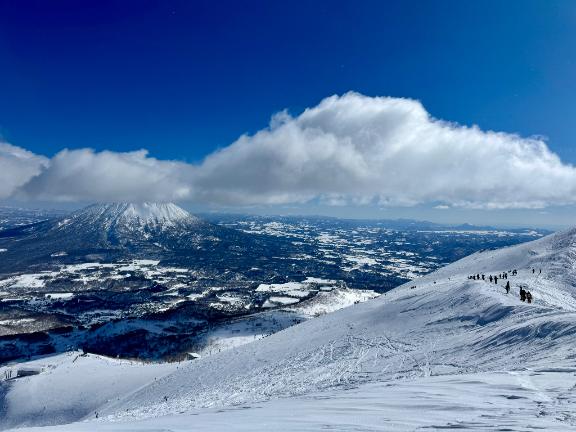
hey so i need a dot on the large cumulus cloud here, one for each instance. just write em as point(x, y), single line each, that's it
point(347, 149)
point(388, 151)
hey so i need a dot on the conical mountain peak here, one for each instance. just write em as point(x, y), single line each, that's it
point(142, 213)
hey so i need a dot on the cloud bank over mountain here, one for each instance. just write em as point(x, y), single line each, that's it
point(85, 175)
point(349, 149)
point(17, 167)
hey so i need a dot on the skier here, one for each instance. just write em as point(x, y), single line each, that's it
point(533, 271)
point(529, 296)
point(507, 287)
point(483, 277)
point(490, 278)
point(522, 294)
point(495, 280)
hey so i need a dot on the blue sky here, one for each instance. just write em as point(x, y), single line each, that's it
point(183, 79)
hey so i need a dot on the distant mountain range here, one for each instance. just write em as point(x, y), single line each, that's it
point(276, 248)
point(11, 217)
point(396, 224)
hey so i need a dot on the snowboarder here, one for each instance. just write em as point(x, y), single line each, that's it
point(507, 287)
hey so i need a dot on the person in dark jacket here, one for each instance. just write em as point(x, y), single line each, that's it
point(529, 296)
point(522, 294)
point(507, 287)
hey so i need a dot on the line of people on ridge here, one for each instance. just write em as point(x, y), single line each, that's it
point(524, 295)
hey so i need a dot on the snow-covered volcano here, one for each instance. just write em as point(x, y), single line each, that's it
point(133, 224)
point(113, 231)
point(137, 214)
point(441, 352)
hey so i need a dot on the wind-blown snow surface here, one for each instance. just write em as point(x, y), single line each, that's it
point(449, 353)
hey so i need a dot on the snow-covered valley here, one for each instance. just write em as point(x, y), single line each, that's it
point(444, 351)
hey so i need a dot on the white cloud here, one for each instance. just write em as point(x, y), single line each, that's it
point(84, 175)
point(348, 149)
point(386, 151)
point(17, 166)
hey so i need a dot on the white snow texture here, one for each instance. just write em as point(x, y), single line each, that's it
point(441, 352)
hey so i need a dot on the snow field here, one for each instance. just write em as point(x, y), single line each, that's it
point(441, 352)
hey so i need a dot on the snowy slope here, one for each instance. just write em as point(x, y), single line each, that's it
point(448, 350)
point(87, 380)
point(518, 401)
